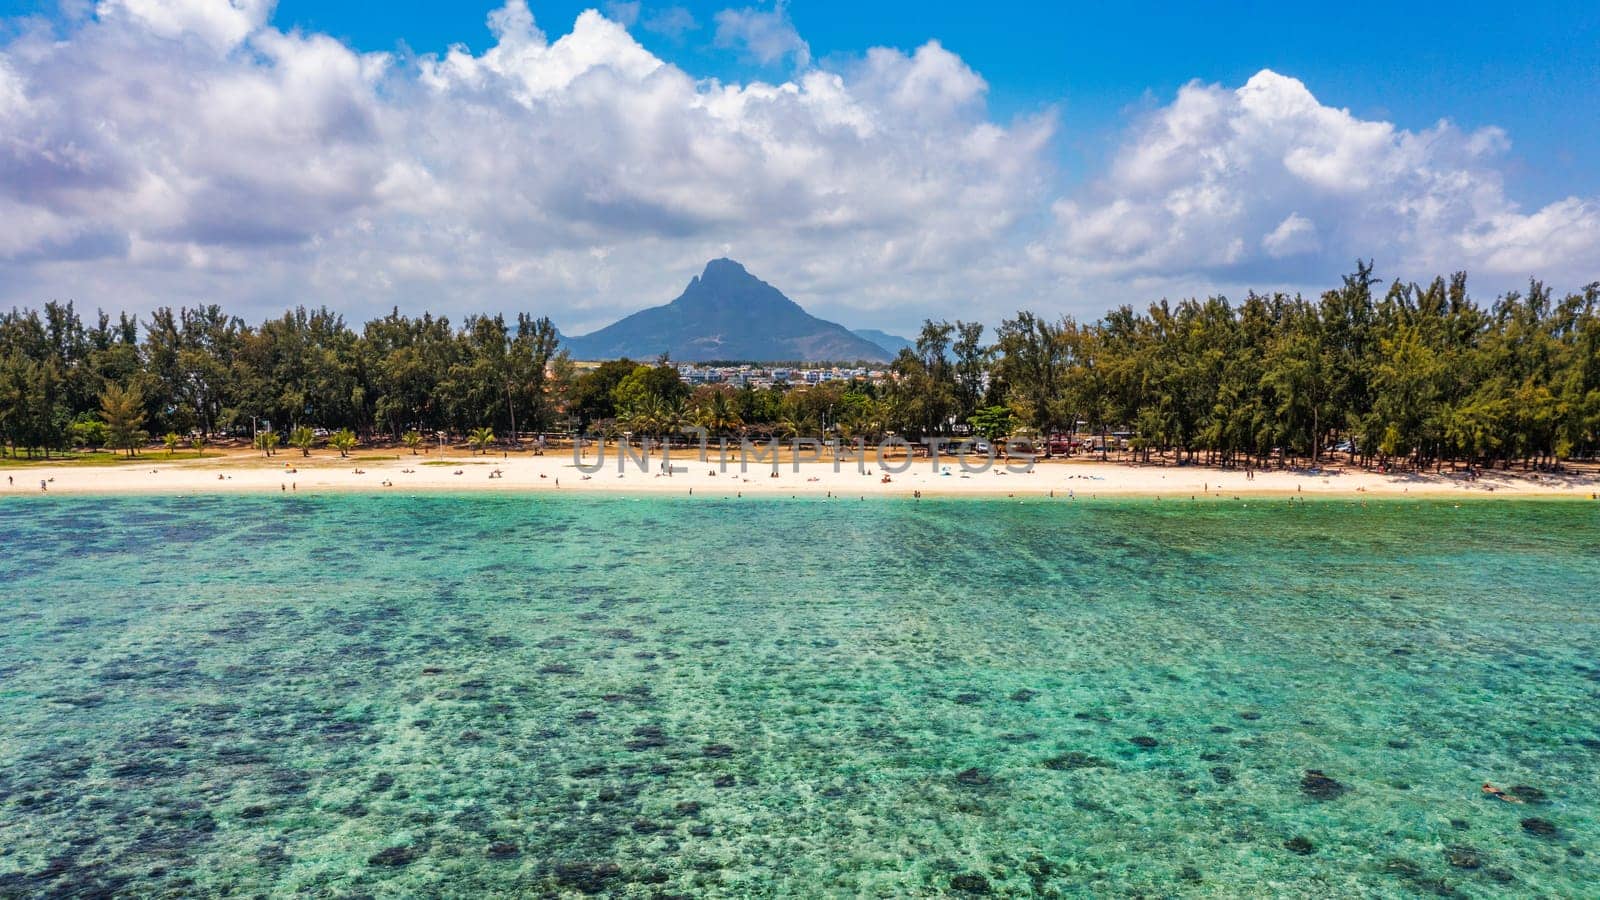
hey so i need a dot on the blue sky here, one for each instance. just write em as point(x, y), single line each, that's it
point(1063, 157)
point(1532, 69)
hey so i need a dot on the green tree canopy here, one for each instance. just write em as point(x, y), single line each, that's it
point(123, 411)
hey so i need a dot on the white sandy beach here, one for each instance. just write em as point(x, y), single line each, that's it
point(246, 472)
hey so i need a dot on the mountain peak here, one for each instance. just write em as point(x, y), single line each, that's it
point(723, 267)
point(723, 276)
point(726, 286)
point(726, 313)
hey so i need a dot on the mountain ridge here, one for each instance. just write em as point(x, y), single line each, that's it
point(892, 344)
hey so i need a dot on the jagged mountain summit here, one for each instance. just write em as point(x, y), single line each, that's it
point(727, 314)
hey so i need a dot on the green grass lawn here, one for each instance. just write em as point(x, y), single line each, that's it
point(100, 458)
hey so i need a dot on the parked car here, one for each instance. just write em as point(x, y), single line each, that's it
point(1063, 446)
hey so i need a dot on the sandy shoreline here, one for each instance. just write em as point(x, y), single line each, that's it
point(245, 472)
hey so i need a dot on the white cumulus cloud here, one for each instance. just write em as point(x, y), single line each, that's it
point(188, 150)
point(1266, 183)
point(222, 25)
point(185, 151)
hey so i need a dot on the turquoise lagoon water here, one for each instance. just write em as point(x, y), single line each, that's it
point(477, 696)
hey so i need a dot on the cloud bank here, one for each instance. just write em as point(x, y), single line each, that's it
point(1266, 183)
point(183, 151)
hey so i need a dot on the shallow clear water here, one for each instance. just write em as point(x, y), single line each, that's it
point(358, 695)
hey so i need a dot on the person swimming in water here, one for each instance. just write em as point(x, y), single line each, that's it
point(1498, 794)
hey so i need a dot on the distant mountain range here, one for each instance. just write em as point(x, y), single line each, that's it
point(893, 343)
point(728, 314)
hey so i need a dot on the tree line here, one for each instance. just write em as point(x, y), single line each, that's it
point(203, 372)
point(1412, 375)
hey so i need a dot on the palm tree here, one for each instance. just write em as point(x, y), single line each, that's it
point(632, 422)
point(788, 426)
point(198, 442)
point(412, 439)
point(673, 416)
point(481, 438)
point(343, 440)
point(267, 441)
point(718, 414)
point(302, 437)
point(172, 441)
point(643, 418)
